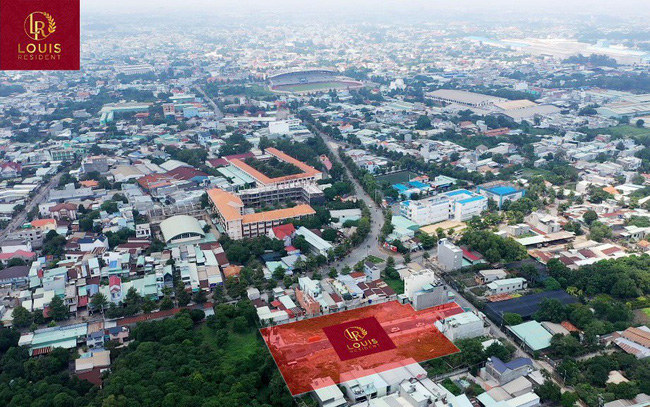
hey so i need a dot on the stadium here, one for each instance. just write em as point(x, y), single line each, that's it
point(313, 80)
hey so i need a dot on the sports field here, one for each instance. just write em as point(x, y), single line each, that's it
point(334, 348)
point(397, 177)
point(315, 87)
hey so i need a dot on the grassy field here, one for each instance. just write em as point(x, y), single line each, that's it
point(396, 284)
point(374, 259)
point(397, 177)
point(239, 346)
point(624, 130)
point(312, 87)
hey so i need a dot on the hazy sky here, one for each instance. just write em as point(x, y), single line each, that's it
point(615, 7)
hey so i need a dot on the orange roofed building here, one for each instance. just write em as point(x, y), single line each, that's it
point(307, 176)
point(229, 209)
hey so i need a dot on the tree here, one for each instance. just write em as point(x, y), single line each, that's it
point(279, 273)
point(240, 325)
point(166, 303)
point(423, 123)
point(98, 302)
point(511, 318)
point(330, 235)
point(22, 318)
point(200, 297)
point(590, 216)
point(58, 311)
point(640, 123)
point(549, 391)
point(498, 350)
point(183, 297)
point(148, 305)
point(599, 231)
point(551, 310)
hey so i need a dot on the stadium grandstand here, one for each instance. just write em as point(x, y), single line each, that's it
point(311, 80)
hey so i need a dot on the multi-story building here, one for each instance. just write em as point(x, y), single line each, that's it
point(450, 256)
point(465, 204)
point(459, 205)
point(501, 193)
point(308, 175)
point(97, 163)
point(427, 211)
point(229, 210)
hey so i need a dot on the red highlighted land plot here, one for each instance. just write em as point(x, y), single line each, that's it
point(321, 351)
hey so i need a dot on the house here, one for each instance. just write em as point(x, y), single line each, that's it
point(10, 170)
point(115, 289)
point(506, 286)
point(372, 271)
point(504, 372)
point(88, 244)
point(14, 245)
point(143, 231)
point(117, 334)
point(327, 393)
point(19, 254)
point(283, 232)
point(641, 400)
point(95, 339)
point(44, 225)
point(450, 256)
point(62, 211)
point(90, 366)
point(488, 276)
point(461, 326)
point(16, 275)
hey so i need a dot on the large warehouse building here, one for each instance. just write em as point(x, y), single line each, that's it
point(181, 228)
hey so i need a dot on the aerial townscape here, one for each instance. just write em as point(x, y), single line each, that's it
point(263, 204)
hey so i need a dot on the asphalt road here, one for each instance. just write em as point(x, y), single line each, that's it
point(19, 219)
point(217, 111)
point(370, 245)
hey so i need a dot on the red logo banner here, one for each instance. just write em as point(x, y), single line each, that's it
point(39, 35)
point(358, 338)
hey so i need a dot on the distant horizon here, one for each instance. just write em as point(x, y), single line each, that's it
point(619, 8)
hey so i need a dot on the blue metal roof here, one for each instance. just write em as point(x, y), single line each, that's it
point(458, 192)
point(400, 187)
point(418, 184)
point(503, 190)
point(472, 199)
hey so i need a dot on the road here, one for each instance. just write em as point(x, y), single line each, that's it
point(19, 219)
point(370, 245)
point(217, 112)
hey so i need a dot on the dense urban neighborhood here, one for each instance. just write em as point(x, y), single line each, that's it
point(193, 217)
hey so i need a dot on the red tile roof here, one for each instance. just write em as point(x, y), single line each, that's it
point(186, 173)
point(282, 231)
